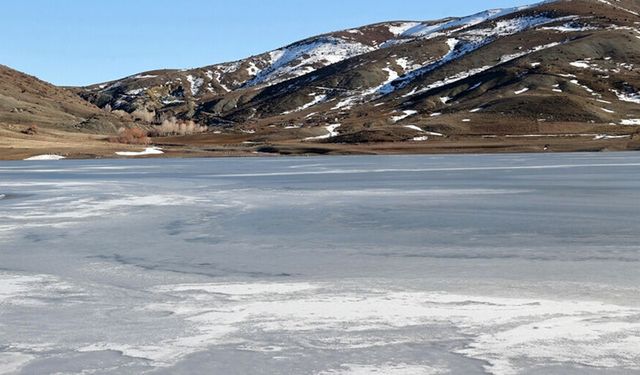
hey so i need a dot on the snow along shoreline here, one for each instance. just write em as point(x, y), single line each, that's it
point(147, 151)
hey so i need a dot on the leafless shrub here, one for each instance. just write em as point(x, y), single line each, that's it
point(120, 113)
point(144, 115)
point(131, 136)
point(173, 126)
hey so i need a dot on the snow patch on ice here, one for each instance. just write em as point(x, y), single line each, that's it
point(19, 289)
point(502, 331)
point(12, 362)
point(385, 369)
point(241, 290)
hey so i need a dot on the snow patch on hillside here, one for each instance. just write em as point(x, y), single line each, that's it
point(406, 64)
point(135, 92)
point(331, 132)
point(402, 27)
point(458, 24)
point(585, 87)
point(195, 84)
point(631, 97)
point(413, 127)
point(404, 115)
point(618, 6)
point(317, 98)
point(569, 27)
point(302, 58)
point(580, 64)
point(405, 80)
point(607, 136)
point(144, 76)
point(633, 121)
point(474, 39)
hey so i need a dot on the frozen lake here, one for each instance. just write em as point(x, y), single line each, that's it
point(403, 265)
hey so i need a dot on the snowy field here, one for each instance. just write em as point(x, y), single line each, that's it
point(405, 265)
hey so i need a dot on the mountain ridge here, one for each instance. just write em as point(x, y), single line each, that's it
point(562, 68)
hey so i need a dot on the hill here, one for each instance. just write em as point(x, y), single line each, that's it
point(557, 75)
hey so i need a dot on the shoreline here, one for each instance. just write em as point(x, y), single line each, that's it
point(15, 145)
point(235, 154)
point(72, 145)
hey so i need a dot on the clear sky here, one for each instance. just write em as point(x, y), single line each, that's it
point(77, 42)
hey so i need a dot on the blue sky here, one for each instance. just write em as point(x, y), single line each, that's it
point(77, 42)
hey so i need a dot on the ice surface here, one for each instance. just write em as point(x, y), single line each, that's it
point(465, 264)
